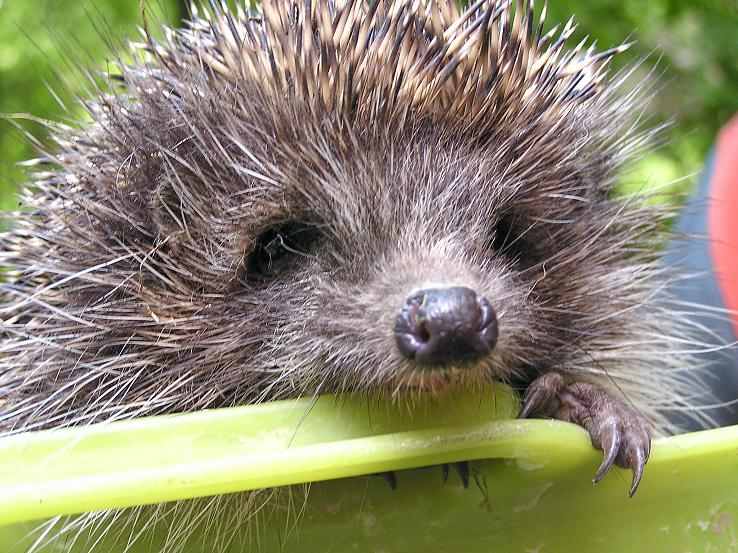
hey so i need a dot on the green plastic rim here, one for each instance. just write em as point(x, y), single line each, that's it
point(166, 458)
point(531, 480)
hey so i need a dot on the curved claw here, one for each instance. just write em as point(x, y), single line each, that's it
point(531, 403)
point(637, 475)
point(541, 396)
point(626, 446)
point(390, 477)
point(636, 457)
point(610, 442)
point(461, 468)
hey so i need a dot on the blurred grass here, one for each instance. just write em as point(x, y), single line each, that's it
point(697, 42)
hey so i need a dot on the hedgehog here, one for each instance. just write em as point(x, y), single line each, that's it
point(386, 198)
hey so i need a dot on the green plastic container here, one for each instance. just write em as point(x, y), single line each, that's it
point(531, 489)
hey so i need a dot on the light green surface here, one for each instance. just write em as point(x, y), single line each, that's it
point(533, 490)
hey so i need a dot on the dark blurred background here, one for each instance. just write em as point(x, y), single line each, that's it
point(694, 44)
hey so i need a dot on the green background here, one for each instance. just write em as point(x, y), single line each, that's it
point(694, 45)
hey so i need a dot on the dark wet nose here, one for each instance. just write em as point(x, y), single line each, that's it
point(444, 326)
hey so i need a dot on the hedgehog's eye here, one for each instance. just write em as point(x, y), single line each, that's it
point(510, 239)
point(502, 234)
point(514, 239)
point(280, 248)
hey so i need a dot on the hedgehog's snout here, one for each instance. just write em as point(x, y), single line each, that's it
point(446, 326)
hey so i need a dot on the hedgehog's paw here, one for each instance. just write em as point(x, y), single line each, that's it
point(614, 427)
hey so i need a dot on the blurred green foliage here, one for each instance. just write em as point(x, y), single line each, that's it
point(694, 46)
point(697, 42)
point(43, 44)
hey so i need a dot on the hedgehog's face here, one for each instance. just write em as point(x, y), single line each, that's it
point(412, 263)
point(238, 225)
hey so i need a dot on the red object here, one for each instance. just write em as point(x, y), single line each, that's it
point(723, 216)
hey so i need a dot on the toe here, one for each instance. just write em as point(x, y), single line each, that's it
point(541, 395)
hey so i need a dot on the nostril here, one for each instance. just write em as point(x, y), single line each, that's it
point(488, 327)
point(488, 314)
point(446, 325)
point(410, 333)
point(423, 333)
